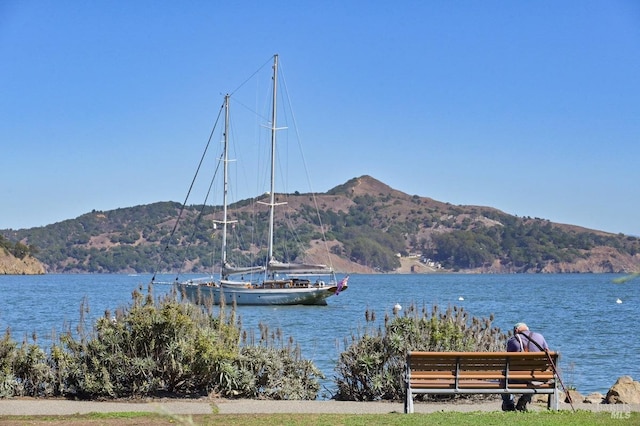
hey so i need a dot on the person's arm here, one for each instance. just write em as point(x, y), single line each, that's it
point(513, 345)
point(544, 343)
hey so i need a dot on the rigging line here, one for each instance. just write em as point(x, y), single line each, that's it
point(201, 212)
point(269, 61)
point(175, 226)
point(250, 109)
point(304, 163)
point(238, 234)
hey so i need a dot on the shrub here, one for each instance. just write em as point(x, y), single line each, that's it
point(24, 370)
point(372, 365)
point(271, 368)
point(277, 373)
point(159, 347)
point(148, 348)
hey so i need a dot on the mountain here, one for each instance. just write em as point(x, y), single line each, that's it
point(370, 227)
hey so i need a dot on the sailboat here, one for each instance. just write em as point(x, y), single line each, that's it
point(274, 282)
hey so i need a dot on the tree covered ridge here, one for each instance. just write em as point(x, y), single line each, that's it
point(366, 221)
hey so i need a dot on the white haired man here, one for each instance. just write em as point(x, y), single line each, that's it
point(522, 340)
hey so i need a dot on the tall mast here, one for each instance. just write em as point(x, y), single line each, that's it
point(225, 189)
point(272, 198)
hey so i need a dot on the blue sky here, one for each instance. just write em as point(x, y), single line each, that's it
point(529, 107)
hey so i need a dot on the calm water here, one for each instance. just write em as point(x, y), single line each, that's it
point(578, 314)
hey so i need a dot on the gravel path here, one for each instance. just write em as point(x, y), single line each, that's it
point(19, 406)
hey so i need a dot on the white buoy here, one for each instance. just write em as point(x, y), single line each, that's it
point(397, 307)
point(461, 298)
point(618, 301)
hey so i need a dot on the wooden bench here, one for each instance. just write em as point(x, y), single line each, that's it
point(449, 373)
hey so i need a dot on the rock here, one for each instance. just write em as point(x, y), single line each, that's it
point(575, 396)
point(539, 398)
point(624, 391)
point(594, 398)
point(10, 265)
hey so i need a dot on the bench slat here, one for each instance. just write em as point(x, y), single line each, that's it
point(467, 384)
point(489, 374)
point(519, 377)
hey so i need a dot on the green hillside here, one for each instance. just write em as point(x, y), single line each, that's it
point(366, 222)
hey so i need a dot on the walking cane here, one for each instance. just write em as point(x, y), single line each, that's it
point(553, 366)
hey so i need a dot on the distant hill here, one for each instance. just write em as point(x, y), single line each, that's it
point(369, 226)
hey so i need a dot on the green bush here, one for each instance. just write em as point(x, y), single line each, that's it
point(272, 368)
point(372, 365)
point(24, 369)
point(150, 347)
point(277, 373)
point(158, 348)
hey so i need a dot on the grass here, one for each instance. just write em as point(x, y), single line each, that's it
point(559, 418)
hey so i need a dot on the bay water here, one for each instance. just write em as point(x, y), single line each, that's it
point(586, 317)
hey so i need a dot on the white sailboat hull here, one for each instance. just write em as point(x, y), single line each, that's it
point(249, 295)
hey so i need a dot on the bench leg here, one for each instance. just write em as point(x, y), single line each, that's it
point(553, 403)
point(408, 402)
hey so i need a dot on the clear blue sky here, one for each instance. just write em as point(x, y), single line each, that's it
point(529, 107)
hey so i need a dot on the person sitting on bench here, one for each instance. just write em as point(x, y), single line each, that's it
point(522, 340)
